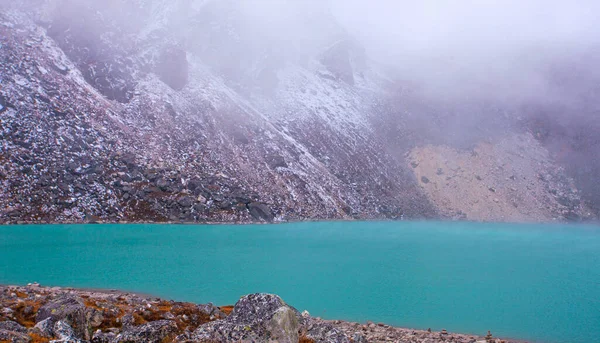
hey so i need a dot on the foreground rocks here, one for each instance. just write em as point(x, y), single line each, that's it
point(35, 314)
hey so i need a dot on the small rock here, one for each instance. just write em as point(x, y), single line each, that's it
point(326, 333)
point(13, 336)
point(9, 325)
point(103, 337)
point(153, 332)
point(359, 338)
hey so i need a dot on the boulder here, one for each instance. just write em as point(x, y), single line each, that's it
point(343, 59)
point(64, 332)
point(13, 336)
point(103, 337)
point(185, 201)
point(9, 325)
point(154, 332)
point(172, 67)
point(43, 328)
point(3, 104)
point(260, 211)
point(163, 184)
point(359, 338)
point(71, 310)
point(275, 161)
point(321, 332)
point(256, 317)
point(212, 311)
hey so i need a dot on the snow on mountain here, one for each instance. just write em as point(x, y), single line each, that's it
point(192, 111)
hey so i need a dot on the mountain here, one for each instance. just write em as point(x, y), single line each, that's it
point(217, 111)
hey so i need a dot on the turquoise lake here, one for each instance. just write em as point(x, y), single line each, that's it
point(531, 282)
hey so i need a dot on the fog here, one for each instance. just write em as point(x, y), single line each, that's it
point(482, 66)
point(474, 48)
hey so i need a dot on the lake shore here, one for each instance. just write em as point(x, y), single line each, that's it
point(37, 314)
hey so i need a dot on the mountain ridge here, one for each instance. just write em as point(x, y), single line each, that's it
point(150, 127)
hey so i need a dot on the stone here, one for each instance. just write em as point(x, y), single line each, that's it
point(260, 211)
point(3, 104)
point(359, 338)
point(258, 317)
point(163, 184)
point(212, 311)
point(64, 332)
point(338, 60)
point(172, 67)
point(572, 217)
point(103, 337)
point(9, 325)
point(154, 332)
point(71, 310)
point(13, 336)
point(44, 328)
point(424, 179)
point(275, 161)
point(325, 333)
point(127, 320)
point(185, 201)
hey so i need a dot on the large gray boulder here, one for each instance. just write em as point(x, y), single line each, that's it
point(153, 332)
point(71, 310)
point(256, 317)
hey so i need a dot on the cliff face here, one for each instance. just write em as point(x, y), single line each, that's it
point(193, 114)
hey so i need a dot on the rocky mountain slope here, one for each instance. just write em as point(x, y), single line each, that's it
point(35, 314)
point(191, 112)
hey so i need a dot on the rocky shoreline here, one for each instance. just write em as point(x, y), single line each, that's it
point(35, 314)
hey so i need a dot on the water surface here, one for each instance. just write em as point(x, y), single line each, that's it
point(533, 282)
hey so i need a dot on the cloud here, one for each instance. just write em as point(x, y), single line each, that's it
point(461, 47)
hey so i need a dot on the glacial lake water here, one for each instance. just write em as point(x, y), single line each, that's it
point(539, 283)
